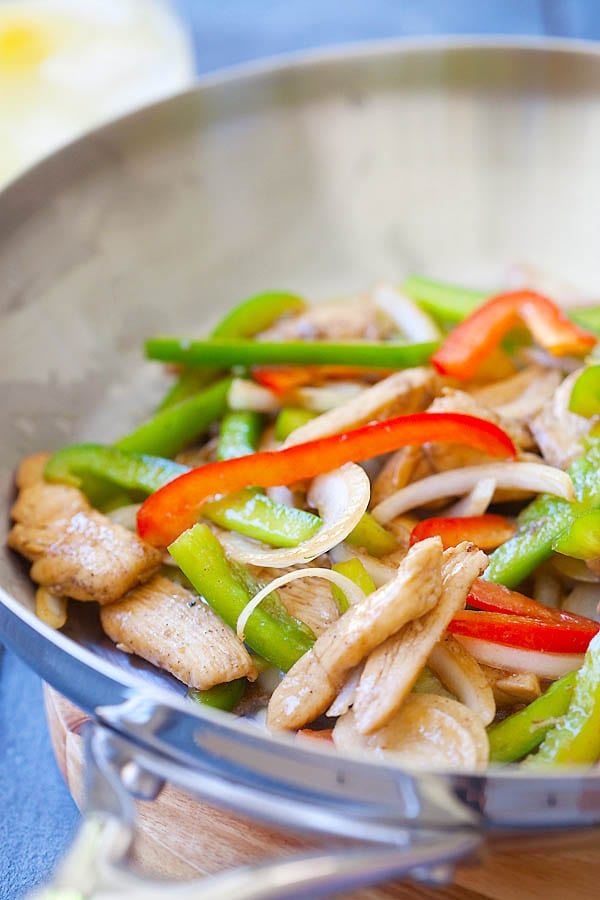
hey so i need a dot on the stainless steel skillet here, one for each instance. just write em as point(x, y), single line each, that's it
point(320, 174)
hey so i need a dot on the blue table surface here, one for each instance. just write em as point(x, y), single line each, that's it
point(38, 817)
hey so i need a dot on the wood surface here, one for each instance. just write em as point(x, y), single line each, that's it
point(181, 837)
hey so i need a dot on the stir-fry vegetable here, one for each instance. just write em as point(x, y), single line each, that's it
point(487, 531)
point(543, 521)
point(176, 506)
point(360, 592)
point(469, 343)
point(244, 320)
point(238, 352)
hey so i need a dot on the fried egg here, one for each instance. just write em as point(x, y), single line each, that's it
point(68, 65)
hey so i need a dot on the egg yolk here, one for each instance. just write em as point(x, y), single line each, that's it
point(23, 46)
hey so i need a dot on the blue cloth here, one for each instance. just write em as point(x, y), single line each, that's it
point(38, 817)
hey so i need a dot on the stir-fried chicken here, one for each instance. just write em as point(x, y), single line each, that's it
point(312, 683)
point(428, 731)
point(76, 551)
point(358, 319)
point(558, 431)
point(392, 669)
point(522, 396)
point(170, 627)
point(403, 392)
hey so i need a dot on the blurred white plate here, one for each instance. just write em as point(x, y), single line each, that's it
point(69, 65)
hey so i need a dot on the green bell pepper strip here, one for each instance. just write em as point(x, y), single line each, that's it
point(290, 418)
point(372, 537)
point(453, 303)
point(249, 512)
point(244, 320)
point(227, 352)
point(356, 572)
point(169, 431)
point(581, 539)
point(239, 433)
point(132, 471)
point(254, 514)
point(585, 396)
point(279, 638)
point(575, 738)
point(523, 731)
point(222, 696)
point(542, 522)
point(445, 301)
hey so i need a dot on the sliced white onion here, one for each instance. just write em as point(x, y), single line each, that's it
point(515, 659)
point(125, 516)
point(535, 477)
point(281, 494)
point(585, 601)
point(322, 399)
point(476, 502)
point(412, 321)
point(245, 394)
point(352, 592)
point(341, 498)
point(461, 674)
point(379, 572)
point(345, 698)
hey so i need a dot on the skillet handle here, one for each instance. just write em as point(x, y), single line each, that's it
point(97, 865)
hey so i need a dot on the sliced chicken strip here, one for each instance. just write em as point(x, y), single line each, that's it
point(168, 625)
point(31, 469)
point(313, 682)
point(41, 502)
point(429, 731)
point(76, 551)
point(522, 396)
point(409, 391)
point(357, 318)
point(405, 465)
point(558, 431)
point(392, 669)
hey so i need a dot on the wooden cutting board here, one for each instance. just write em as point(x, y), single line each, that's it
point(181, 837)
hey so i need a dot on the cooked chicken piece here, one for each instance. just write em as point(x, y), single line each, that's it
point(405, 465)
point(311, 601)
point(166, 624)
point(428, 731)
point(403, 392)
point(42, 502)
point(50, 609)
point(357, 318)
point(558, 431)
point(521, 686)
point(199, 456)
point(510, 688)
point(455, 401)
point(31, 469)
point(522, 396)
point(76, 551)
point(461, 674)
point(312, 683)
point(392, 669)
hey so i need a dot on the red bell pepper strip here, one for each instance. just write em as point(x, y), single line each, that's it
point(282, 379)
point(175, 507)
point(524, 631)
point(490, 597)
point(488, 531)
point(471, 341)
